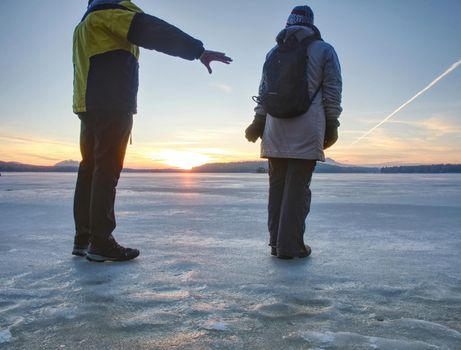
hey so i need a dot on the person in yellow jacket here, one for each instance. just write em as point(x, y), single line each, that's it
point(105, 56)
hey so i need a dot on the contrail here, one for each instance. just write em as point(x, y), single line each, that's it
point(435, 81)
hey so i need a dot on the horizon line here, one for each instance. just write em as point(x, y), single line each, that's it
point(178, 169)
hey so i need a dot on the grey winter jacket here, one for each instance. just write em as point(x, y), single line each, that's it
point(302, 137)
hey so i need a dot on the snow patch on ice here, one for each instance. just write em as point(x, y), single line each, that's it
point(162, 296)
point(216, 326)
point(297, 308)
point(149, 318)
point(343, 340)
point(277, 310)
point(63, 311)
point(427, 325)
point(5, 336)
point(189, 276)
point(210, 306)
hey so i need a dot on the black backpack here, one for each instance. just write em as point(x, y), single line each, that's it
point(284, 91)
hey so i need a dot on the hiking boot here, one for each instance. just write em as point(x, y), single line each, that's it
point(80, 244)
point(274, 251)
point(80, 250)
point(304, 253)
point(109, 250)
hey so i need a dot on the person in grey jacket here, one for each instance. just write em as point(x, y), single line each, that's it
point(294, 145)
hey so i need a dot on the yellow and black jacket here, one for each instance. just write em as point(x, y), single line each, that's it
point(106, 51)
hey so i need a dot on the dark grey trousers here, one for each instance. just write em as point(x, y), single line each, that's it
point(103, 141)
point(289, 203)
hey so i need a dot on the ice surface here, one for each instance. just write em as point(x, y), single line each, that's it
point(384, 273)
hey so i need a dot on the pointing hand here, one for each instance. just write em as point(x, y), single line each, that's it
point(209, 56)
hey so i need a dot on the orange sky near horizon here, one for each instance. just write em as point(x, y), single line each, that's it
point(379, 149)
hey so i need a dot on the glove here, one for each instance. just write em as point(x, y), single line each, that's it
point(256, 128)
point(331, 133)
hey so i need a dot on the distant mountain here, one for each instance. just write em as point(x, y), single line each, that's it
point(68, 163)
point(330, 161)
point(67, 166)
point(262, 166)
point(423, 169)
point(19, 167)
point(233, 167)
point(353, 169)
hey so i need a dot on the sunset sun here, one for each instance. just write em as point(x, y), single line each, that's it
point(183, 160)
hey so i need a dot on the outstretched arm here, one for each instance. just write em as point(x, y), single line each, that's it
point(155, 34)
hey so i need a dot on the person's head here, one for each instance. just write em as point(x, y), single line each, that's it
point(301, 16)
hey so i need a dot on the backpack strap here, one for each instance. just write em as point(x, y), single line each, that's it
point(317, 34)
point(307, 42)
point(316, 92)
point(316, 37)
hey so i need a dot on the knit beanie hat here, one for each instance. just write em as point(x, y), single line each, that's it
point(301, 16)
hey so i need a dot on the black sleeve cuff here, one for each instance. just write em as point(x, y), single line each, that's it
point(259, 118)
point(333, 123)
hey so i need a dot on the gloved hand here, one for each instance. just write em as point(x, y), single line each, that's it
point(256, 129)
point(331, 133)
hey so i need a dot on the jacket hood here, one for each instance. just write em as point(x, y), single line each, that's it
point(300, 32)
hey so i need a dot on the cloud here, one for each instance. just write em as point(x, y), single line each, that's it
point(203, 135)
point(21, 139)
point(212, 151)
point(32, 150)
point(440, 126)
point(41, 157)
point(433, 127)
point(405, 146)
point(223, 87)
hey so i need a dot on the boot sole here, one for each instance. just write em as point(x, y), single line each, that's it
point(285, 257)
point(300, 256)
point(102, 258)
point(79, 252)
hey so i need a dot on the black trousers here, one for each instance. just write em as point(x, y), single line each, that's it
point(103, 140)
point(289, 203)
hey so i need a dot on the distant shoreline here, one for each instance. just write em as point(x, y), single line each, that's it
point(249, 168)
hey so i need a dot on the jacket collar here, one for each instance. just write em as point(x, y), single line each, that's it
point(95, 3)
point(300, 32)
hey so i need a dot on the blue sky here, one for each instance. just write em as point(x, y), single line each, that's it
point(389, 50)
